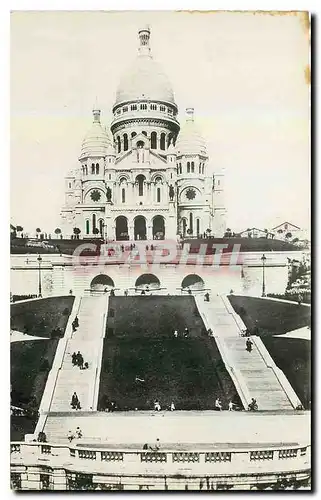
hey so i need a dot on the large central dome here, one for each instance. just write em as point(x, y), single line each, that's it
point(145, 79)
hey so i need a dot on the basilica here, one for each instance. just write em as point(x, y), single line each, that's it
point(144, 177)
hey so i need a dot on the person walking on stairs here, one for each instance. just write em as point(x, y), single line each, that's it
point(74, 402)
point(249, 344)
point(74, 358)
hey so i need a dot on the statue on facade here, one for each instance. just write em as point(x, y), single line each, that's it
point(171, 192)
point(108, 194)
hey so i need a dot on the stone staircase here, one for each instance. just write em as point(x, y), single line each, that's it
point(261, 380)
point(88, 339)
point(255, 375)
point(219, 316)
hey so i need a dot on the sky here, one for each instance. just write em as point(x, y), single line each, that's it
point(245, 74)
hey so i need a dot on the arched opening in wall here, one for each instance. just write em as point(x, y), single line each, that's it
point(121, 228)
point(184, 226)
point(125, 142)
point(191, 223)
point(153, 140)
point(101, 282)
point(203, 169)
point(94, 222)
point(192, 167)
point(198, 231)
point(140, 179)
point(140, 144)
point(118, 145)
point(148, 280)
point(133, 134)
point(92, 168)
point(123, 195)
point(162, 141)
point(188, 167)
point(87, 227)
point(192, 281)
point(158, 227)
point(158, 195)
point(97, 168)
point(140, 228)
point(101, 227)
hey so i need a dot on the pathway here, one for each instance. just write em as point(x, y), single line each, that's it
point(88, 339)
point(255, 375)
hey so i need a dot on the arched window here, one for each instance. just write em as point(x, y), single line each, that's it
point(87, 226)
point(153, 138)
point(203, 169)
point(133, 135)
point(188, 167)
point(101, 227)
point(94, 222)
point(180, 168)
point(191, 223)
point(192, 167)
point(92, 168)
point(199, 168)
point(97, 168)
point(133, 107)
point(162, 141)
point(123, 195)
point(118, 145)
point(140, 180)
point(158, 195)
point(198, 226)
point(125, 109)
point(125, 142)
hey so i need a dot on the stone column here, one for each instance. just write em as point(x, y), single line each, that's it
point(131, 230)
point(149, 228)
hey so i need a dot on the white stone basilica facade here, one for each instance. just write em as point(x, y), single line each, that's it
point(147, 179)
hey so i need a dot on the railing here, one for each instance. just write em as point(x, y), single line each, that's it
point(100, 354)
point(231, 461)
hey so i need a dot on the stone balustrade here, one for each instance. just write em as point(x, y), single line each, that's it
point(238, 466)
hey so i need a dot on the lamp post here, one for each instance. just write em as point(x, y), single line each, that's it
point(263, 259)
point(39, 262)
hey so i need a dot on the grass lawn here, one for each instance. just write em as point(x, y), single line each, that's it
point(29, 372)
point(293, 357)
point(271, 317)
point(31, 360)
point(41, 317)
point(140, 343)
point(246, 244)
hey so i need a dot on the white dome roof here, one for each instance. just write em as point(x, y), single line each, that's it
point(96, 141)
point(190, 141)
point(145, 79)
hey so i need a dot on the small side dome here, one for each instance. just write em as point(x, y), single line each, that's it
point(96, 141)
point(190, 141)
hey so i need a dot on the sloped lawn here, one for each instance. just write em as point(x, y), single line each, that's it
point(40, 317)
point(293, 357)
point(140, 343)
point(270, 316)
point(31, 360)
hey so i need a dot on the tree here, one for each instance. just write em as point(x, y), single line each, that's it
point(38, 230)
point(19, 229)
point(288, 236)
point(57, 230)
point(77, 232)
